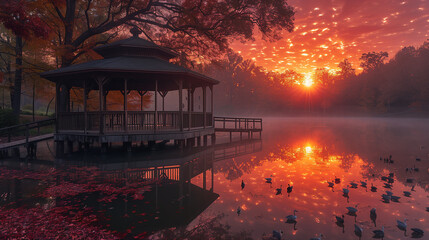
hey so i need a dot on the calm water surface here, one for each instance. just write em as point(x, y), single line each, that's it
point(198, 192)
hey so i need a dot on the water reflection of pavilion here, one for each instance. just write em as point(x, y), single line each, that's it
point(174, 201)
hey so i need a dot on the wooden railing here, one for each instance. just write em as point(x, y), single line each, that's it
point(114, 121)
point(238, 124)
point(25, 131)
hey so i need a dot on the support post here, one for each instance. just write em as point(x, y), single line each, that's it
point(100, 81)
point(85, 96)
point(189, 107)
point(104, 147)
point(105, 100)
point(212, 104)
point(204, 107)
point(205, 140)
point(156, 106)
point(57, 103)
point(60, 149)
point(181, 104)
point(69, 146)
point(126, 105)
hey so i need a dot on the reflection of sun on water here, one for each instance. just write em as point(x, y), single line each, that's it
point(308, 149)
point(308, 168)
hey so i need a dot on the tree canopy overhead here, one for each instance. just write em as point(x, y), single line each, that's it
point(190, 25)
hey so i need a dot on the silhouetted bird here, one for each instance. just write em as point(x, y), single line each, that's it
point(277, 234)
point(379, 233)
point(407, 194)
point(417, 233)
point(373, 216)
point(395, 198)
point(346, 190)
point(238, 210)
point(289, 188)
point(358, 231)
point(340, 219)
point(279, 190)
point(386, 198)
point(337, 180)
point(373, 189)
point(292, 218)
point(352, 210)
point(402, 225)
point(242, 185)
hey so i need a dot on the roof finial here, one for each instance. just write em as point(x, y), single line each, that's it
point(135, 31)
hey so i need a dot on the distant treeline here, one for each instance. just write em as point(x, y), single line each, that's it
point(399, 86)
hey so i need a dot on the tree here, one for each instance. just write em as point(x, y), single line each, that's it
point(19, 17)
point(346, 69)
point(372, 60)
point(196, 25)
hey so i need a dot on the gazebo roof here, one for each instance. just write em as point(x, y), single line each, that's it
point(134, 46)
point(126, 64)
point(133, 58)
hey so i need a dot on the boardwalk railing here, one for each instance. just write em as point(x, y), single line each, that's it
point(231, 124)
point(25, 131)
point(115, 121)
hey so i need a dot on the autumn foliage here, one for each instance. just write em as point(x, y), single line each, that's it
point(19, 16)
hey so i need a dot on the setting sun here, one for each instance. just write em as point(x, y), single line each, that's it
point(308, 81)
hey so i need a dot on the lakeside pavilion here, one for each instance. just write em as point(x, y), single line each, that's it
point(132, 64)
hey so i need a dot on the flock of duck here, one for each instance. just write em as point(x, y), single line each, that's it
point(379, 233)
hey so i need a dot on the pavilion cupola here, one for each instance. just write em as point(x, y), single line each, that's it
point(135, 47)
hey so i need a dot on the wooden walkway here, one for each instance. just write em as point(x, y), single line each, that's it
point(23, 142)
point(27, 135)
point(238, 125)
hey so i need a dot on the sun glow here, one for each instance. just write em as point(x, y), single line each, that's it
point(308, 80)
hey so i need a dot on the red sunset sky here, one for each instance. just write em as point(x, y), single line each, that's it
point(327, 31)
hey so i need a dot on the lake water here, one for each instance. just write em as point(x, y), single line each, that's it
point(194, 194)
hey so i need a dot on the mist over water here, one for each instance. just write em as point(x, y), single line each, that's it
point(304, 152)
point(307, 153)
